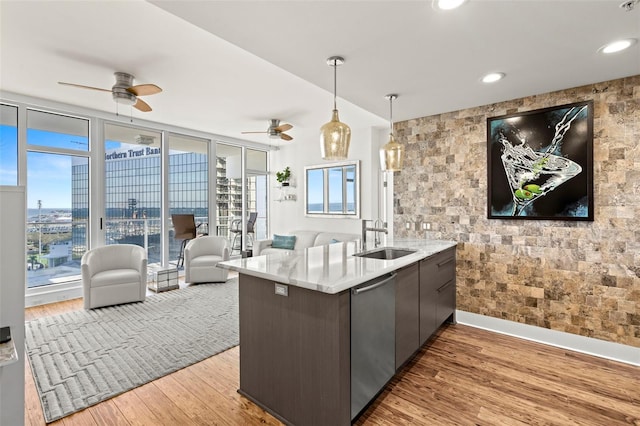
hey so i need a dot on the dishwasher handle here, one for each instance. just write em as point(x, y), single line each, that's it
point(356, 291)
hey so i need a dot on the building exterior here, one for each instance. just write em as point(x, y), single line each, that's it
point(133, 197)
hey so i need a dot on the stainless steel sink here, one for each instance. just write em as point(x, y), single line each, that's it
point(385, 253)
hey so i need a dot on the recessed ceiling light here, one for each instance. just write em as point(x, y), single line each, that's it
point(449, 4)
point(618, 45)
point(493, 77)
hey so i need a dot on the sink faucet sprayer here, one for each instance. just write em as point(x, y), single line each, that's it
point(378, 226)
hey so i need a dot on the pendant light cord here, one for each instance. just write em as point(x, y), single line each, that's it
point(391, 115)
point(335, 82)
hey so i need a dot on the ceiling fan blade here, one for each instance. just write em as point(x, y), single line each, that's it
point(81, 86)
point(283, 128)
point(244, 133)
point(285, 137)
point(142, 106)
point(144, 89)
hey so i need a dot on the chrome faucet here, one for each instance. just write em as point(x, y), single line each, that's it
point(378, 226)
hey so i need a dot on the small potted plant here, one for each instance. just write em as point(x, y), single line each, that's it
point(283, 176)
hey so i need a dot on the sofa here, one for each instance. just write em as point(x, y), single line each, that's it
point(303, 240)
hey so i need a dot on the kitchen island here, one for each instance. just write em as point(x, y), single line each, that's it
point(312, 348)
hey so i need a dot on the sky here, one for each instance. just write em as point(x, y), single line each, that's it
point(315, 184)
point(48, 175)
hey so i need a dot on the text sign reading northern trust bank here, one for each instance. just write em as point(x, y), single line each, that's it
point(122, 154)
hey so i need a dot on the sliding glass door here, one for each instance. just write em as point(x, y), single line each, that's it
point(256, 193)
point(241, 197)
point(133, 188)
point(188, 185)
point(134, 176)
point(92, 181)
point(229, 194)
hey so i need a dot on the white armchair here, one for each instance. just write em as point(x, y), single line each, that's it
point(201, 257)
point(114, 274)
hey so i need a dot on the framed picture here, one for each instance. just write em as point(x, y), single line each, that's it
point(540, 164)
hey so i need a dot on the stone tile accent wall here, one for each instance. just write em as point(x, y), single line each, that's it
point(577, 277)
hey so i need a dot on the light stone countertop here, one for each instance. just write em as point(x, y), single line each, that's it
point(332, 268)
point(8, 353)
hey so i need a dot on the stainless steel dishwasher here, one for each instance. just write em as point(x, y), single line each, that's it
point(372, 339)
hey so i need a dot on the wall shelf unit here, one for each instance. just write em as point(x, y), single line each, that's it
point(286, 193)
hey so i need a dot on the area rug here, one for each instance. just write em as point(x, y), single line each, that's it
point(83, 357)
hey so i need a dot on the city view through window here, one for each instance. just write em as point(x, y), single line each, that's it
point(58, 191)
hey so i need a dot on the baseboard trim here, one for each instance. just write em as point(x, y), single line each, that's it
point(59, 293)
point(587, 345)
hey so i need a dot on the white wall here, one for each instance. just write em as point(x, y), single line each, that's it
point(12, 285)
point(286, 216)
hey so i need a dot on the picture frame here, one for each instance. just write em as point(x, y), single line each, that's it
point(540, 164)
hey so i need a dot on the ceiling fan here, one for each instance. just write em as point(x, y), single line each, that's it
point(276, 130)
point(124, 92)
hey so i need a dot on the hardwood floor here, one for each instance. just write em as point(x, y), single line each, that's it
point(465, 376)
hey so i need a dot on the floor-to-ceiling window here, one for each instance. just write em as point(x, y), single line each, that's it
point(256, 191)
point(188, 184)
point(228, 191)
point(93, 181)
point(233, 216)
point(133, 188)
point(57, 216)
point(134, 182)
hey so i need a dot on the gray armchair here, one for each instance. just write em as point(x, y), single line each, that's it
point(201, 257)
point(114, 274)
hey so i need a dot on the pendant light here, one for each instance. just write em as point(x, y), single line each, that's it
point(335, 136)
point(391, 154)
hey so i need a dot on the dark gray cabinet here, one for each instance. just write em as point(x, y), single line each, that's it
point(295, 352)
point(295, 345)
point(446, 301)
point(407, 313)
point(437, 291)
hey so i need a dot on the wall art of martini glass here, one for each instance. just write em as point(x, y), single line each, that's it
point(540, 164)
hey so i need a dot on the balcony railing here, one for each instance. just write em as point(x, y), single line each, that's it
point(54, 249)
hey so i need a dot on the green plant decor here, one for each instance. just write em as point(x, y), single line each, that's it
point(283, 176)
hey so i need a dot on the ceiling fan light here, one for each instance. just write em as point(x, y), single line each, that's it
point(124, 97)
point(145, 140)
point(391, 155)
point(273, 133)
point(335, 138)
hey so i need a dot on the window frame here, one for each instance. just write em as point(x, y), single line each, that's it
point(326, 169)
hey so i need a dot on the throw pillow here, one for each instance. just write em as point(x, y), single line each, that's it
point(284, 241)
point(333, 241)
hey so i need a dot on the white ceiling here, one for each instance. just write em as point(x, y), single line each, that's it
point(229, 66)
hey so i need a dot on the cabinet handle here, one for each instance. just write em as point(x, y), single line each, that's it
point(359, 290)
point(451, 259)
point(447, 284)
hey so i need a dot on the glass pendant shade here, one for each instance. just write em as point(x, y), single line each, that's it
point(391, 155)
point(334, 139)
point(335, 136)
